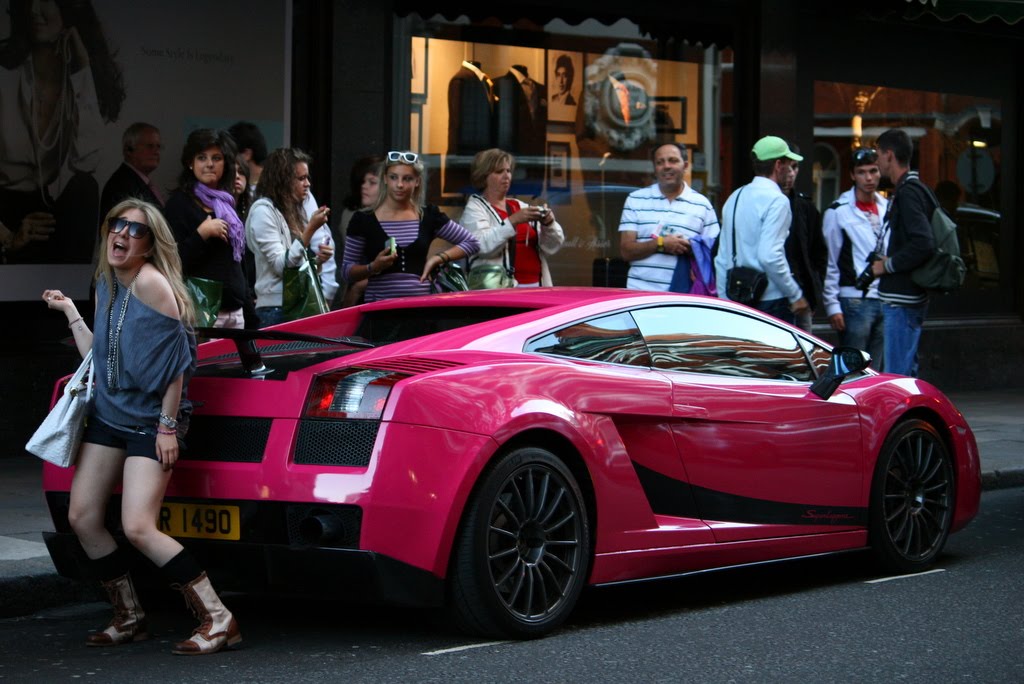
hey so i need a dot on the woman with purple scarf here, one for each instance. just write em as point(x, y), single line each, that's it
point(211, 237)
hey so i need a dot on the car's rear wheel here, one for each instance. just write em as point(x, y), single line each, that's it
point(523, 550)
point(912, 498)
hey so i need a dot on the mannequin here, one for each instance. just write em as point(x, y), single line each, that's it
point(470, 122)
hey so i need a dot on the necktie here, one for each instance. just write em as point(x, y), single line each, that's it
point(530, 90)
point(623, 92)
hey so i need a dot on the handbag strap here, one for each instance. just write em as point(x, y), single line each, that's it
point(735, 247)
point(510, 261)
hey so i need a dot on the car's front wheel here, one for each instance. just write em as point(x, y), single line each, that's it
point(523, 550)
point(912, 498)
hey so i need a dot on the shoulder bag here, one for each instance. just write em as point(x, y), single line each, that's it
point(59, 436)
point(301, 294)
point(495, 276)
point(743, 284)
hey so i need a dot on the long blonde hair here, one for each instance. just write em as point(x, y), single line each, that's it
point(163, 256)
point(418, 196)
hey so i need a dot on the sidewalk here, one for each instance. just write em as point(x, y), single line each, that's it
point(28, 581)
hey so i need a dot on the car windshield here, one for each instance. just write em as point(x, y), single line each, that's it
point(395, 325)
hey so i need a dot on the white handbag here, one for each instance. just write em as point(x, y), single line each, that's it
point(58, 438)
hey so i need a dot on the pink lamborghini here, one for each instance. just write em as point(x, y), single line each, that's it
point(494, 452)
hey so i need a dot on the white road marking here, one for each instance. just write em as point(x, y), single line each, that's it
point(897, 577)
point(19, 549)
point(456, 649)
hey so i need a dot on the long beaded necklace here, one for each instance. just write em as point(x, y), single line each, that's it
point(114, 335)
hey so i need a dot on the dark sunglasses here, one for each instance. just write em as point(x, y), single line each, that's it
point(406, 157)
point(865, 155)
point(135, 229)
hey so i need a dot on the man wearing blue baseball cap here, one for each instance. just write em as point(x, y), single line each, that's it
point(755, 224)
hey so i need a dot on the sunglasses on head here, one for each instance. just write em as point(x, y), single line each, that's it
point(406, 157)
point(865, 155)
point(135, 229)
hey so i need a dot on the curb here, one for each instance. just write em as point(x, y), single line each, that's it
point(1002, 479)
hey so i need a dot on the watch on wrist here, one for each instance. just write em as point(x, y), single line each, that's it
point(661, 244)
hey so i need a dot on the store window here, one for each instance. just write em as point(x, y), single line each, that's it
point(580, 107)
point(957, 149)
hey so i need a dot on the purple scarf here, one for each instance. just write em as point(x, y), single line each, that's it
point(223, 205)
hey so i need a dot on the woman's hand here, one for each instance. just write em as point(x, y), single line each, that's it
point(434, 261)
point(319, 217)
point(383, 261)
point(324, 253)
point(167, 449)
point(213, 228)
point(78, 56)
point(55, 299)
point(527, 214)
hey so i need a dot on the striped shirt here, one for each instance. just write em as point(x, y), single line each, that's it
point(649, 214)
point(392, 285)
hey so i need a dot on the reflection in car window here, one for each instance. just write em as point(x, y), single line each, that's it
point(612, 339)
point(819, 356)
point(705, 340)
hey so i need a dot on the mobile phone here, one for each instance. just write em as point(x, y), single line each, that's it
point(391, 245)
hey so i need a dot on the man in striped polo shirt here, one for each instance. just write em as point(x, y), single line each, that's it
point(660, 221)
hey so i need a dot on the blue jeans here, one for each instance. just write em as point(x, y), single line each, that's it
point(270, 315)
point(778, 308)
point(902, 334)
point(865, 328)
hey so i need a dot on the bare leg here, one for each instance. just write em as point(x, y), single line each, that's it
point(145, 482)
point(97, 472)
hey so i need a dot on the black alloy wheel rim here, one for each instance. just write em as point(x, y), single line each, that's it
point(534, 542)
point(918, 496)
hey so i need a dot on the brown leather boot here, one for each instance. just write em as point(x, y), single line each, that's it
point(129, 623)
point(217, 627)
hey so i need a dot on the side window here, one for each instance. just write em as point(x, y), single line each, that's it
point(611, 339)
point(705, 340)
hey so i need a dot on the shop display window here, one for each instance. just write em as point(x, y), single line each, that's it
point(580, 107)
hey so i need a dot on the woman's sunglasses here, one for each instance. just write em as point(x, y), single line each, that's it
point(135, 229)
point(406, 157)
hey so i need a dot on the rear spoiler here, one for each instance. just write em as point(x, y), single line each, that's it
point(249, 353)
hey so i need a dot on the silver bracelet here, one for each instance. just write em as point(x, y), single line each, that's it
point(168, 422)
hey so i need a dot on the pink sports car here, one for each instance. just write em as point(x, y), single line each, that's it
point(494, 452)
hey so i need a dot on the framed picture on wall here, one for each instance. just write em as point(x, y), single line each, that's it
point(558, 164)
point(565, 84)
point(670, 115)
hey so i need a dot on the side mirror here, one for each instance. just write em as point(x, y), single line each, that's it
point(844, 361)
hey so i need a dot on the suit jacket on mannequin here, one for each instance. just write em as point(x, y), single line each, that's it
point(125, 182)
point(470, 121)
point(519, 128)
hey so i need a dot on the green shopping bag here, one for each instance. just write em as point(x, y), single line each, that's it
point(302, 295)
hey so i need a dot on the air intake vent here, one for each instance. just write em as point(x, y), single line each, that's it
point(412, 365)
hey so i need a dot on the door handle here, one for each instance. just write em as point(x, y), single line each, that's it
point(687, 411)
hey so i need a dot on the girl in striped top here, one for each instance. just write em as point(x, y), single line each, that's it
point(399, 219)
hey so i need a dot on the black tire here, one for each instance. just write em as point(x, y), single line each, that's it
point(912, 498)
point(523, 550)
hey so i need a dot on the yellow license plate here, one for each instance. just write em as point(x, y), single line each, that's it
point(201, 521)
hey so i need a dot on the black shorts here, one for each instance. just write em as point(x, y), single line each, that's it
point(140, 442)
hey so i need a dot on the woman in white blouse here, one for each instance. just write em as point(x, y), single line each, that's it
point(513, 236)
point(277, 230)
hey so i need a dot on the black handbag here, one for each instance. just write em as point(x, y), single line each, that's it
point(448, 278)
point(743, 284)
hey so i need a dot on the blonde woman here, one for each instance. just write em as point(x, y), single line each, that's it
point(389, 243)
point(144, 354)
point(514, 237)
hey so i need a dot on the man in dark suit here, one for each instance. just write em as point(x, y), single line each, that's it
point(140, 146)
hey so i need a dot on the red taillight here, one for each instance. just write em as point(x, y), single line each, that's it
point(351, 393)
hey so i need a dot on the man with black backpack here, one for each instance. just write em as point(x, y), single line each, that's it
point(911, 244)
